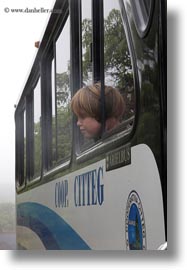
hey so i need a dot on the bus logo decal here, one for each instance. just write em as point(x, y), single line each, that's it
point(135, 231)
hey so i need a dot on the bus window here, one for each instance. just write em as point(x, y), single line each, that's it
point(117, 60)
point(21, 149)
point(87, 68)
point(118, 71)
point(53, 100)
point(61, 96)
point(37, 130)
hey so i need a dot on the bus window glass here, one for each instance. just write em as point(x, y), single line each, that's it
point(63, 96)
point(53, 97)
point(87, 68)
point(21, 149)
point(37, 130)
point(117, 60)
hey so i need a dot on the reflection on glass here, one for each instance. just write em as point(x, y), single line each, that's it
point(117, 61)
point(63, 135)
point(53, 96)
point(37, 130)
point(141, 11)
point(87, 69)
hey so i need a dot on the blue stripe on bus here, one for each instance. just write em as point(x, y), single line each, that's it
point(53, 231)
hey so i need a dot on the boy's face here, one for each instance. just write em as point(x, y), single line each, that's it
point(89, 126)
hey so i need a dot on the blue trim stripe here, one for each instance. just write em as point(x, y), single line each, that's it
point(54, 232)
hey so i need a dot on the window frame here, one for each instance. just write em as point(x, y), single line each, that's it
point(27, 105)
point(48, 169)
point(108, 140)
point(46, 64)
point(19, 132)
point(97, 61)
point(55, 38)
point(40, 69)
point(29, 100)
point(33, 177)
point(46, 70)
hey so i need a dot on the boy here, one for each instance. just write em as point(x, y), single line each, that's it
point(86, 104)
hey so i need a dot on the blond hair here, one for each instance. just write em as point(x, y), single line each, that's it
point(87, 102)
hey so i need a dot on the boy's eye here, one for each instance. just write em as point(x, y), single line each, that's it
point(80, 119)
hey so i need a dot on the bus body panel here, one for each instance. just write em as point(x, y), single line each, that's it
point(97, 209)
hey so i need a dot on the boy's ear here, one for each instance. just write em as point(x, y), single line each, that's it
point(111, 123)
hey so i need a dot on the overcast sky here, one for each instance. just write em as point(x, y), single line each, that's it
point(18, 33)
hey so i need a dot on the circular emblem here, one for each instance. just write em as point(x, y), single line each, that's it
point(135, 230)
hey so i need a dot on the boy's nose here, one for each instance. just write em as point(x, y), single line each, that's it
point(78, 122)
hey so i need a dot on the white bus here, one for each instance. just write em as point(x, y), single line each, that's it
point(107, 194)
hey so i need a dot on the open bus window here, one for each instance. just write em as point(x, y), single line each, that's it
point(86, 56)
point(37, 129)
point(117, 66)
point(117, 60)
point(61, 96)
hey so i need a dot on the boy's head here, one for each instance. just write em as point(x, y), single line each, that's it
point(86, 103)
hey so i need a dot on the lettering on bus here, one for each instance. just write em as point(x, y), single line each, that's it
point(88, 189)
point(61, 194)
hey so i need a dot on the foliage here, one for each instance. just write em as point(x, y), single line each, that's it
point(86, 41)
point(62, 92)
point(64, 132)
point(61, 122)
point(117, 60)
point(37, 149)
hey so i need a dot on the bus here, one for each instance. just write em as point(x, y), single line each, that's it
point(75, 193)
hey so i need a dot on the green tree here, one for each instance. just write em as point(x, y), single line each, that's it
point(37, 149)
point(64, 132)
point(62, 90)
point(86, 41)
point(117, 59)
point(61, 122)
